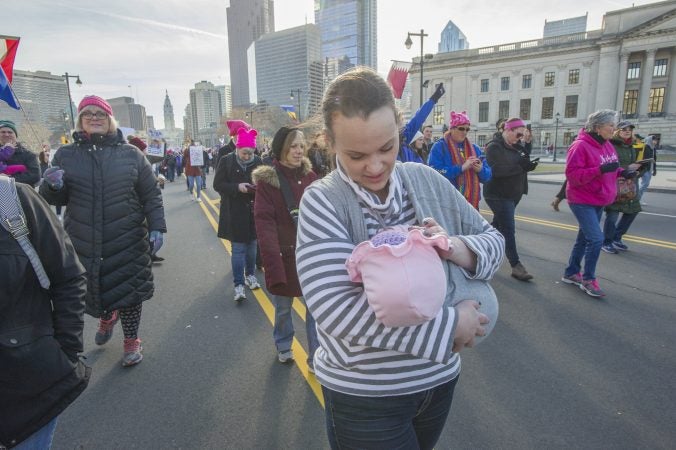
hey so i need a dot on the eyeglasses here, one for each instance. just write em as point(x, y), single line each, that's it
point(463, 129)
point(90, 115)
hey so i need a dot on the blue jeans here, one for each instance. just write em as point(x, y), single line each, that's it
point(283, 330)
point(614, 230)
point(243, 256)
point(644, 182)
point(589, 240)
point(412, 421)
point(195, 181)
point(41, 439)
point(503, 221)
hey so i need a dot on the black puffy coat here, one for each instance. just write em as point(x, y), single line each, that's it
point(509, 181)
point(113, 201)
point(236, 218)
point(40, 330)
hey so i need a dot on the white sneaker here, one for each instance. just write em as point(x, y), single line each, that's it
point(239, 293)
point(285, 357)
point(199, 200)
point(252, 282)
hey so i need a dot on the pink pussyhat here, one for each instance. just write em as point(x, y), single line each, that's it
point(246, 138)
point(402, 274)
point(235, 125)
point(94, 100)
point(459, 118)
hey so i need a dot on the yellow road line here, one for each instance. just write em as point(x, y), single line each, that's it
point(574, 228)
point(300, 355)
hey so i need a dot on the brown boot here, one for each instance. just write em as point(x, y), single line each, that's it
point(519, 272)
point(555, 203)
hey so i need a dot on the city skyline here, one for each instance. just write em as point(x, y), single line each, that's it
point(152, 48)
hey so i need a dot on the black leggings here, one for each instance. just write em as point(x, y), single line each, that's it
point(130, 318)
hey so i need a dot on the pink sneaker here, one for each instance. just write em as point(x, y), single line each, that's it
point(105, 331)
point(591, 287)
point(575, 279)
point(132, 352)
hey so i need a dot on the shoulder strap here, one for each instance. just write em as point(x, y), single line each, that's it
point(285, 187)
point(14, 221)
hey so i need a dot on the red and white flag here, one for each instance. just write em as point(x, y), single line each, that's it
point(398, 76)
point(8, 46)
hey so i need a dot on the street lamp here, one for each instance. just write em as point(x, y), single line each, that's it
point(70, 99)
point(408, 45)
point(297, 91)
point(249, 115)
point(556, 135)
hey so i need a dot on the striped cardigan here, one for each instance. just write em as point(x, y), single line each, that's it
point(358, 354)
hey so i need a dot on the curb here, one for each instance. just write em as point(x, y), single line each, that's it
point(659, 190)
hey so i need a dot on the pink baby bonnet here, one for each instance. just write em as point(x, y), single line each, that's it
point(402, 274)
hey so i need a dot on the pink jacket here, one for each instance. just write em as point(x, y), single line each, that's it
point(586, 184)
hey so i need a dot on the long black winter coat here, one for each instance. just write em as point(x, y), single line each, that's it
point(113, 201)
point(509, 181)
point(40, 330)
point(236, 221)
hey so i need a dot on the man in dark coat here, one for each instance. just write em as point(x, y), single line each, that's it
point(16, 160)
point(236, 222)
point(40, 329)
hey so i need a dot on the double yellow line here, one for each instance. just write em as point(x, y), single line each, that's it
point(211, 211)
point(574, 228)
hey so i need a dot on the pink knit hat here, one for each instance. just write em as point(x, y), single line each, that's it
point(235, 125)
point(402, 274)
point(458, 119)
point(95, 101)
point(246, 138)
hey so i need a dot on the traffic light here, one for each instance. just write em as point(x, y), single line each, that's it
point(64, 140)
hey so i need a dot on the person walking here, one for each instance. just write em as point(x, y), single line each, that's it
point(385, 387)
point(114, 216)
point(592, 169)
point(236, 219)
point(193, 171)
point(460, 161)
point(276, 217)
point(16, 160)
point(41, 324)
point(509, 163)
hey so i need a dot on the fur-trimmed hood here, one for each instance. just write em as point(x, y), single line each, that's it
point(268, 174)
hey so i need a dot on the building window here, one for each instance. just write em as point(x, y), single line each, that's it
point(571, 106)
point(525, 81)
point(547, 107)
point(656, 101)
point(630, 103)
point(574, 76)
point(660, 68)
point(438, 114)
point(634, 71)
point(482, 140)
point(524, 109)
point(504, 83)
point(483, 111)
point(547, 138)
point(484, 85)
point(549, 79)
point(503, 109)
point(567, 138)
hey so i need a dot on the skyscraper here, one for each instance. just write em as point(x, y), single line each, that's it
point(169, 123)
point(247, 21)
point(348, 29)
point(452, 39)
point(128, 113)
point(298, 47)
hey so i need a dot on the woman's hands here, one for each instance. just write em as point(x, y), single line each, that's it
point(470, 324)
point(457, 251)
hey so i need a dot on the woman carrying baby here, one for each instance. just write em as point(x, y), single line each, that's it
point(386, 386)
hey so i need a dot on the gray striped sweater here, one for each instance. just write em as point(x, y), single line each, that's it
point(358, 354)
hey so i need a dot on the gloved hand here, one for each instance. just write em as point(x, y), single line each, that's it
point(54, 177)
point(626, 173)
point(439, 91)
point(528, 165)
point(3, 166)
point(156, 241)
point(610, 167)
point(6, 152)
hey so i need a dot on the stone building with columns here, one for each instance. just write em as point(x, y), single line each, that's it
point(554, 83)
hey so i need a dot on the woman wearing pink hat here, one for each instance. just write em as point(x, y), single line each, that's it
point(114, 217)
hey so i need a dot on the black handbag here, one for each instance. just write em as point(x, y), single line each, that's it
point(285, 187)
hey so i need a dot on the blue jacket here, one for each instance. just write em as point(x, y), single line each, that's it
point(440, 159)
point(411, 127)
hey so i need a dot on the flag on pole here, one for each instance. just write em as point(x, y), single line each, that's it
point(8, 46)
point(290, 110)
point(397, 77)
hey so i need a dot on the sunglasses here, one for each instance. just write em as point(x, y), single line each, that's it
point(463, 129)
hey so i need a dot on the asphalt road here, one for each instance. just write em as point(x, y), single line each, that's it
point(561, 369)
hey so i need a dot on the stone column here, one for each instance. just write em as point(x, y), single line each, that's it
point(671, 86)
point(646, 82)
point(583, 108)
point(622, 79)
point(559, 96)
point(515, 85)
point(494, 88)
point(536, 98)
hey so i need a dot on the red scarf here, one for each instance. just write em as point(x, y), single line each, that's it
point(467, 181)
